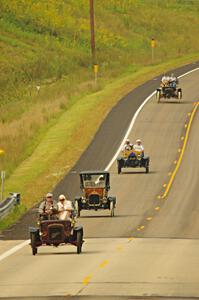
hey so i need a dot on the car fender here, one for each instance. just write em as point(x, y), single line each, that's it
point(112, 199)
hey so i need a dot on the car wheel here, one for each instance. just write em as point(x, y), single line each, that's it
point(179, 95)
point(33, 242)
point(119, 168)
point(77, 208)
point(79, 242)
point(112, 208)
point(158, 96)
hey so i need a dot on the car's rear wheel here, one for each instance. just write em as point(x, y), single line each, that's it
point(112, 209)
point(158, 96)
point(77, 208)
point(79, 242)
point(33, 244)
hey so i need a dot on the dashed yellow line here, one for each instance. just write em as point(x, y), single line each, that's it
point(182, 151)
point(149, 218)
point(86, 280)
point(103, 264)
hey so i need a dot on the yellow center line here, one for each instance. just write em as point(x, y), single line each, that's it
point(104, 263)
point(182, 151)
point(86, 280)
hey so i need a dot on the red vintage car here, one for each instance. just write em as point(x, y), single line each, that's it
point(55, 233)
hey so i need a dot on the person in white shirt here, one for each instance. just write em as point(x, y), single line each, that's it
point(138, 146)
point(127, 146)
point(65, 208)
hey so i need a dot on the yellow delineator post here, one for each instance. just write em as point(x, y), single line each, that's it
point(2, 151)
point(153, 45)
point(2, 174)
point(95, 69)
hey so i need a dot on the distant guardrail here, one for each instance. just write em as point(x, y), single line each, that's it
point(7, 205)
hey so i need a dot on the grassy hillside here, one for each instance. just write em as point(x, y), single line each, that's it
point(46, 43)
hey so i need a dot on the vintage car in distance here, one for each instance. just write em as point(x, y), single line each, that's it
point(132, 159)
point(55, 233)
point(95, 186)
point(167, 92)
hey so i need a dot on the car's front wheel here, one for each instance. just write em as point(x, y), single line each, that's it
point(158, 96)
point(179, 94)
point(33, 244)
point(112, 208)
point(79, 242)
point(119, 168)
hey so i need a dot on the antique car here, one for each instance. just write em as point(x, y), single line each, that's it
point(168, 92)
point(55, 233)
point(95, 186)
point(132, 159)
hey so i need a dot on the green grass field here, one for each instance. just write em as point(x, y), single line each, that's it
point(47, 44)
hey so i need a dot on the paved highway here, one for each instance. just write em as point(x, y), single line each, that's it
point(151, 246)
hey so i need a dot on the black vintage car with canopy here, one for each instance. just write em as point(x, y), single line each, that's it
point(95, 186)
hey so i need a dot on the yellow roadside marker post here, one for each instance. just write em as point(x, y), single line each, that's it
point(153, 45)
point(96, 69)
point(3, 174)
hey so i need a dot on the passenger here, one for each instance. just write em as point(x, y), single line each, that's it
point(165, 80)
point(127, 146)
point(138, 147)
point(48, 208)
point(65, 208)
point(173, 80)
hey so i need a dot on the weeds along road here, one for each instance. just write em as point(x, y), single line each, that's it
point(151, 246)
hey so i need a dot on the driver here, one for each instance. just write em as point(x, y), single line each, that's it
point(48, 208)
point(127, 146)
point(65, 208)
point(138, 147)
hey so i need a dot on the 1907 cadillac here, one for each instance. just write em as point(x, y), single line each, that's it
point(95, 186)
point(55, 233)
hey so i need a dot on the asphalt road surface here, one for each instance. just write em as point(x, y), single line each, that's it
point(151, 247)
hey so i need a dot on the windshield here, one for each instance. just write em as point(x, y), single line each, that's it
point(93, 181)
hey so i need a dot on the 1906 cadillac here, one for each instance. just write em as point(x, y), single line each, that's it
point(95, 186)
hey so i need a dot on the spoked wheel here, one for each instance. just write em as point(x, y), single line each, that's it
point(112, 209)
point(158, 96)
point(79, 242)
point(179, 95)
point(77, 208)
point(119, 168)
point(33, 244)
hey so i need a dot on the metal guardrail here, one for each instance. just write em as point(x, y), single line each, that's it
point(7, 205)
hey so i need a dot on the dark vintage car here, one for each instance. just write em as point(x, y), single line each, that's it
point(95, 186)
point(168, 92)
point(132, 159)
point(55, 233)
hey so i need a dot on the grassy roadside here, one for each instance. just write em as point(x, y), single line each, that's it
point(57, 152)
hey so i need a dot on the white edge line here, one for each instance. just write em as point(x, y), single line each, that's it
point(25, 243)
point(14, 249)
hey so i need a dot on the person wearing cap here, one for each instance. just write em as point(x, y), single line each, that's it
point(138, 147)
point(48, 208)
point(127, 146)
point(65, 208)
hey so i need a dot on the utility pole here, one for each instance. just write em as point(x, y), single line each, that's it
point(92, 26)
